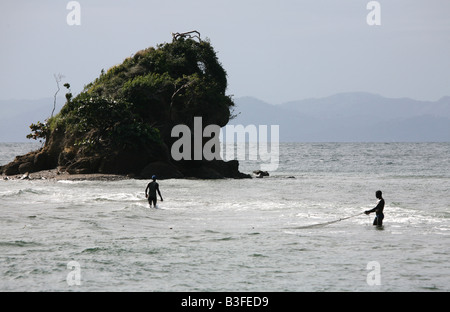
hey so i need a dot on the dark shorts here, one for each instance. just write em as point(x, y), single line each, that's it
point(151, 199)
point(378, 219)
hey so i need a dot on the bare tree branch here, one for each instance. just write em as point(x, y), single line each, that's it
point(189, 35)
point(187, 84)
point(58, 79)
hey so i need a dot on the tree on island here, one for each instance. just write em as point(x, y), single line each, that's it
point(121, 122)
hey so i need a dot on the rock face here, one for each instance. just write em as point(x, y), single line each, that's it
point(121, 123)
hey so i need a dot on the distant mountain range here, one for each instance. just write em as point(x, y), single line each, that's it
point(344, 117)
point(350, 117)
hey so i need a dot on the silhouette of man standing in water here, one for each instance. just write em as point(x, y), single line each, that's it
point(378, 221)
point(152, 188)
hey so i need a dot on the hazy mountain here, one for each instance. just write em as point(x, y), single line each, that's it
point(346, 117)
point(351, 117)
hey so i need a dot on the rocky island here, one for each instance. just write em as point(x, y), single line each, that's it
point(121, 123)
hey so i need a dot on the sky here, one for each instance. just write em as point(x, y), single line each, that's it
point(276, 51)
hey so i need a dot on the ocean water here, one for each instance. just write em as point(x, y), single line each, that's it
point(279, 233)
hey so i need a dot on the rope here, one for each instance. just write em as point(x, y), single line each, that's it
point(326, 223)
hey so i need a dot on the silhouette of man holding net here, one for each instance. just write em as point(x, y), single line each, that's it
point(379, 216)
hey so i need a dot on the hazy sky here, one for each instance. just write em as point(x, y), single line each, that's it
point(276, 51)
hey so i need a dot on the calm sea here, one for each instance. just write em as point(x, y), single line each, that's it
point(279, 233)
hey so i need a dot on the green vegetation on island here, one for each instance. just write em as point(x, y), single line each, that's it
point(121, 122)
